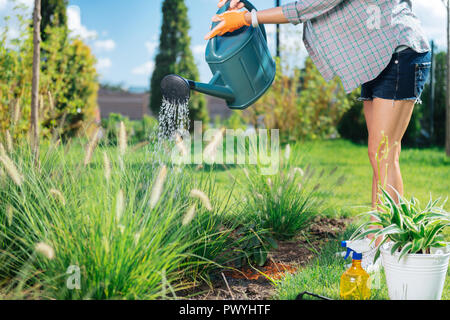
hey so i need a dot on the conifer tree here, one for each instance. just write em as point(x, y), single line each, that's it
point(175, 56)
point(53, 14)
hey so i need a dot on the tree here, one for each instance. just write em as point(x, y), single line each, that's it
point(35, 80)
point(175, 56)
point(53, 14)
point(68, 84)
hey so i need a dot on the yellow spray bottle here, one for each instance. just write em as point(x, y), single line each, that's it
point(355, 282)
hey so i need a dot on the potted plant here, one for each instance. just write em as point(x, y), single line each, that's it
point(414, 253)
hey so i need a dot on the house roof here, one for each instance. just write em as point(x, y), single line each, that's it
point(135, 105)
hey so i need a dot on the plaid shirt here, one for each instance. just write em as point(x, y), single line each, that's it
point(355, 39)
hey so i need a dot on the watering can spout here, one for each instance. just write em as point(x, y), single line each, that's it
point(213, 89)
point(241, 63)
point(176, 88)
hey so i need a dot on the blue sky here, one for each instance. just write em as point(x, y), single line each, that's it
point(134, 27)
point(124, 34)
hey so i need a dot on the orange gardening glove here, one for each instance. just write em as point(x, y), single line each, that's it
point(230, 21)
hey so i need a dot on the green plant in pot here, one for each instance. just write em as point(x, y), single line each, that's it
point(414, 252)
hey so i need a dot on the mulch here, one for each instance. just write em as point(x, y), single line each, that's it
point(254, 283)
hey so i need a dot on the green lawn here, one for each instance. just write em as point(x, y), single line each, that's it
point(322, 277)
point(425, 172)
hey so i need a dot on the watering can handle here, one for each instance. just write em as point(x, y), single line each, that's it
point(248, 6)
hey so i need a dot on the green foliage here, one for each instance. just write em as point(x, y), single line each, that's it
point(53, 14)
point(145, 129)
point(175, 56)
point(68, 83)
point(301, 104)
point(353, 123)
point(440, 68)
point(410, 227)
point(322, 104)
point(322, 275)
point(119, 219)
point(235, 121)
point(285, 203)
point(137, 131)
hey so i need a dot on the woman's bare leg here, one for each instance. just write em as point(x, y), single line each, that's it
point(392, 119)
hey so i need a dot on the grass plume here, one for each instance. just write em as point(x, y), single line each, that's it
point(122, 141)
point(45, 249)
point(189, 216)
point(203, 198)
point(158, 187)
point(106, 166)
point(11, 169)
point(91, 147)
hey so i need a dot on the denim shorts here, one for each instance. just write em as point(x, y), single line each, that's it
point(403, 79)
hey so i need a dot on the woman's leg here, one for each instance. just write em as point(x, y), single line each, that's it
point(368, 113)
point(392, 119)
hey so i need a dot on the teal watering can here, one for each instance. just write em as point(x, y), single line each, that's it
point(241, 63)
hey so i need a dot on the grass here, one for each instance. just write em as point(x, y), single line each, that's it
point(322, 276)
point(424, 171)
point(133, 229)
point(46, 207)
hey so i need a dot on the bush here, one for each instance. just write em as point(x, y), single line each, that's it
point(353, 124)
point(137, 131)
point(68, 83)
point(301, 104)
point(287, 202)
point(127, 228)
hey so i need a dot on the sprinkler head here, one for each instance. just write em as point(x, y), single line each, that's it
point(175, 88)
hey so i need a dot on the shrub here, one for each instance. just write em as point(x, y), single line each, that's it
point(128, 227)
point(301, 104)
point(68, 83)
point(287, 202)
point(353, 123)
point(137, 131)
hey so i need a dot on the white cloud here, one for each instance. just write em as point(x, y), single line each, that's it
point(105, 45)
point(199, 50)
point(75, 26)
point(151, 47)
point(433, 16)
point(145, 69)
point(104, 63)
point(3, 4)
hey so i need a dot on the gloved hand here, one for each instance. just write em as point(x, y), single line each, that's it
point(230, 21)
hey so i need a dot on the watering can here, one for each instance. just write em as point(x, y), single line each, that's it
point(241, 64)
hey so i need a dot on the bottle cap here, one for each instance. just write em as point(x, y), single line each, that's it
point(357, 256)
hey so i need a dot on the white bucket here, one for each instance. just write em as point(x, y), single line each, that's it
point(416, 276)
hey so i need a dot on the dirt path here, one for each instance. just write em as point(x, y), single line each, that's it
point(291, 255)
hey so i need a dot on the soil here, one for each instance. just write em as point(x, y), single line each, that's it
point(290, 256)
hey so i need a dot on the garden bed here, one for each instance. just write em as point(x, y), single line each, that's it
point(249, 283)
